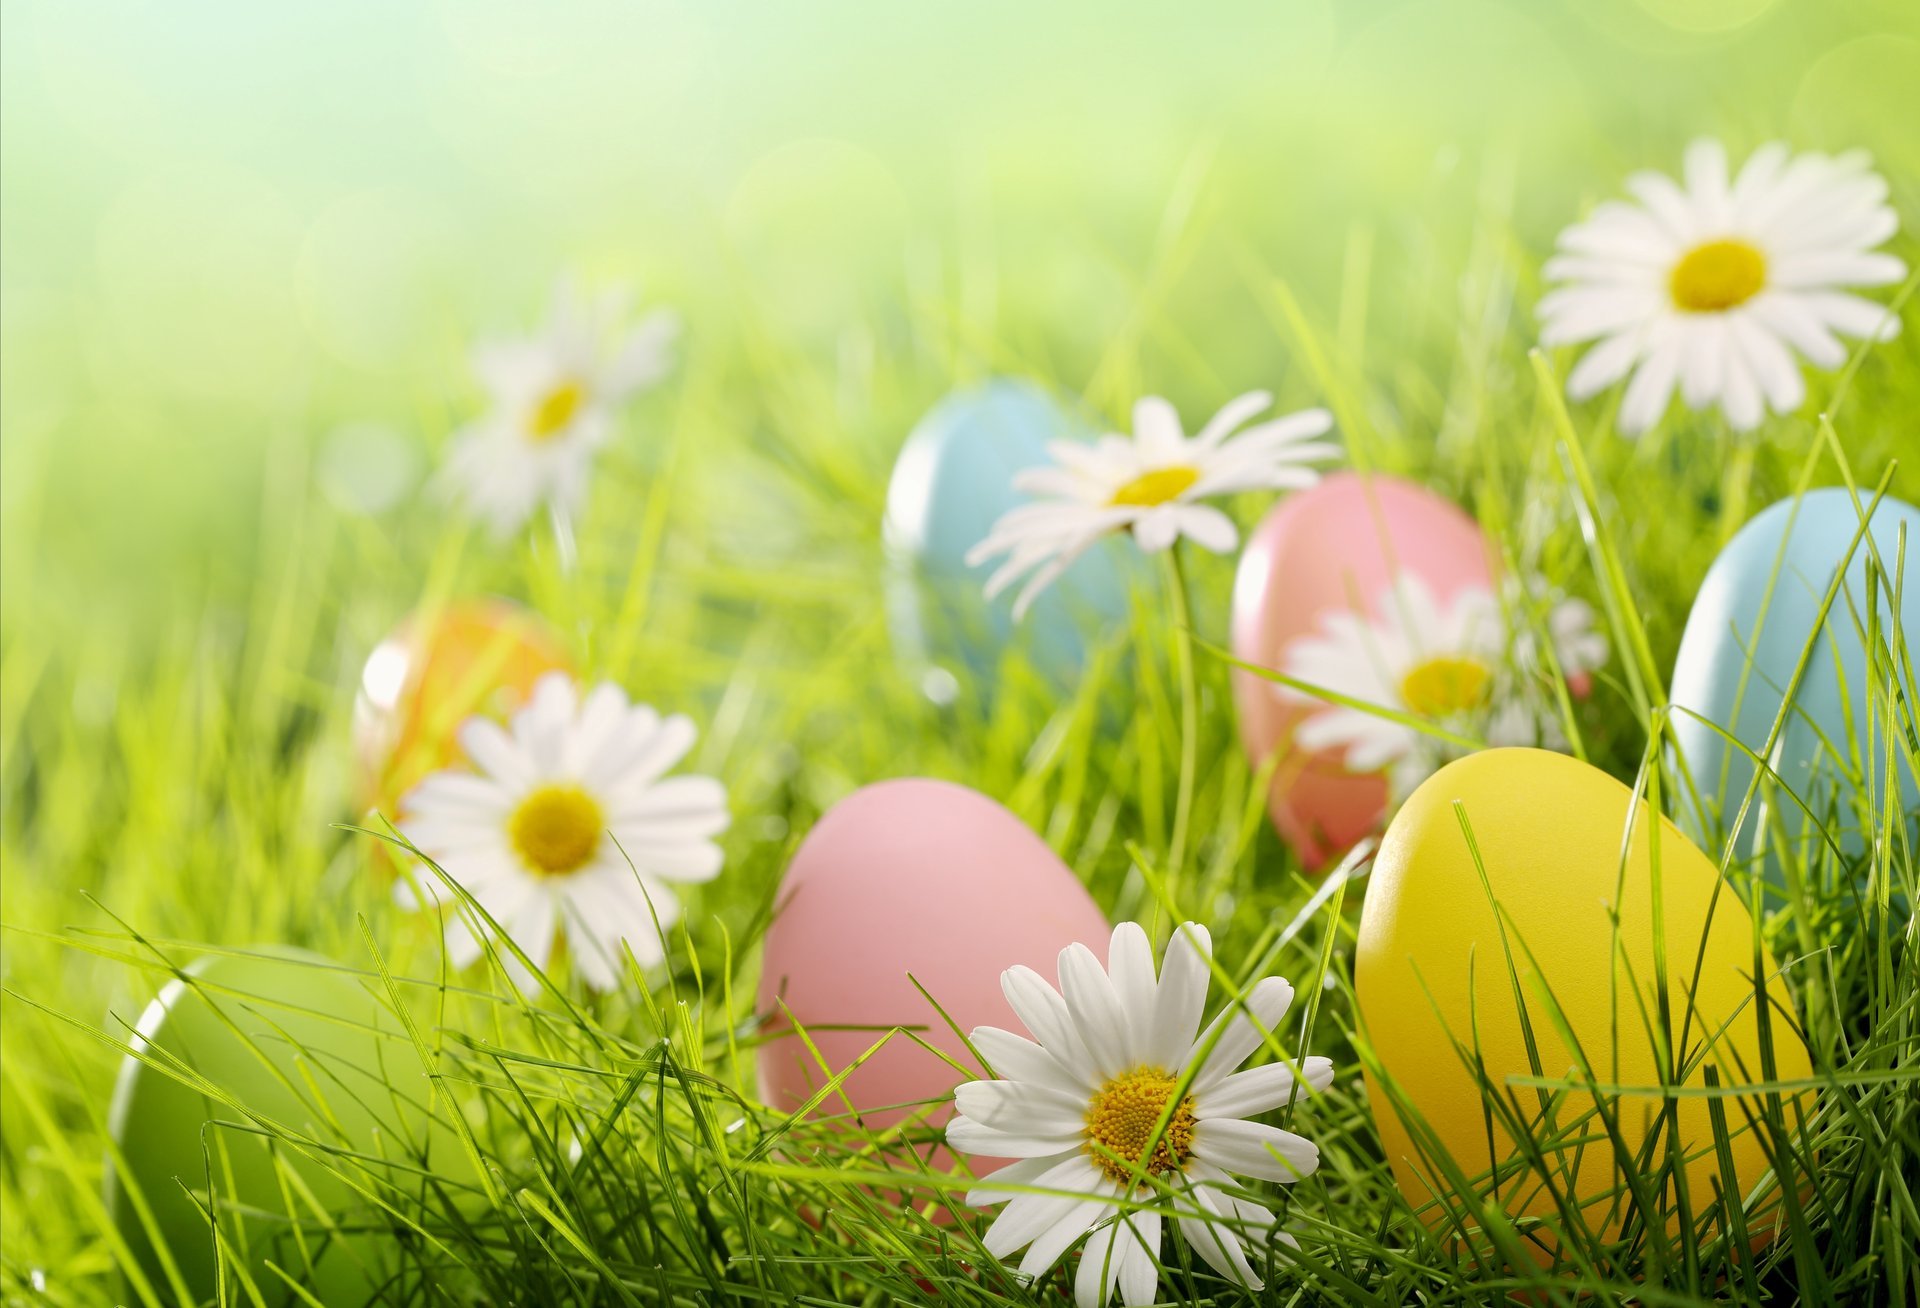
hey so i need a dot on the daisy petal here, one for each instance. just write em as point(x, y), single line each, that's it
point(1139, 1272)
point(1018, 1059)
point(971, 1137)
point(1837, 268)
point(1025, 1219)
point(1254, 1149)
point(459, 793)
point(1241, 1028)
point(1130, 966)
point(1773, 367)
point(1048, 1248)
point(1603, 365)
point(1095, 1010)
point(644, 357)
point(1211, 1235)
point(1207, 527)
point(1706, 172)
point(1021, 1106)
point(1793, 321)
point(494, 752)
point(1044, 1013)
point(1098, 1275)
point(1156, 430)
point(1182, 996)
point(1852, 315)
point(1651, 389)
point(1015, 1178)
point(1231, 415)
point(1263, 1089)
point(1156, 528)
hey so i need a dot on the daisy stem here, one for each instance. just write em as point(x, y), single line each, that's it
point(563, 542)
point(1189, 708)
point(1736, 484)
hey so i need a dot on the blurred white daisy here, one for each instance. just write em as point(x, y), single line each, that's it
point(1713, 285)
point(1579, 648)
point(1417, 655)
point(1150, 484)
point(1120, 1099)
point(542, 832)
point(1455, 664)
point(553, 400)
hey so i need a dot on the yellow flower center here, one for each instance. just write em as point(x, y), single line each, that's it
point(1717, 276)
point(556, 829)
point(556, 411)
point(1441, 687)
point(1156, 487)
point(1121, 1118)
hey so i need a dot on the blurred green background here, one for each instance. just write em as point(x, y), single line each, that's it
point(232, 230)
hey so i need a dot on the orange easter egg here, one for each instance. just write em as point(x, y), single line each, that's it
point(440, 667)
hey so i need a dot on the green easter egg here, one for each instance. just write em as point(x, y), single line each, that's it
point(298, 1044)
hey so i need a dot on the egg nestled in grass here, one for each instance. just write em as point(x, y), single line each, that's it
point(1337, 547)
point(286, 1039)
point(1521, 979)
point(1759, 612)
point(904, 882)
point(952, 482)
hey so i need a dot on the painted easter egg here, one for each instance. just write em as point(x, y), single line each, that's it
point(952, 482)
point(901, 881)
point(440, 667)
point(1337, 547)
point(1431, 973)
point(1756, 613)
point(298, 1044)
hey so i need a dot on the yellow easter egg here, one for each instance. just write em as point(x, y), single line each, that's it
point(1437, 971)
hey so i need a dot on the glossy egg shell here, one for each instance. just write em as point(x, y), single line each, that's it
point(439, 668)
point(953, 480)
point(159, 1125)
point(907, 877)
point(1430, 968)
point(1754, 615)
point(1335, 547)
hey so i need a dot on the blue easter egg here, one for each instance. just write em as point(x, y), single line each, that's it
point(951, 483)
point(1754, 616)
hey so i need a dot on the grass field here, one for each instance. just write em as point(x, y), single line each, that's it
point(232, 235)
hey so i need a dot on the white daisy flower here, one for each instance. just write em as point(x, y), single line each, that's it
point(1150, 484)
point(1713, 285)
point(542, 832)
point(1114, 1051)
point(1414, 654)
point(554, 399)
point(1578, 648)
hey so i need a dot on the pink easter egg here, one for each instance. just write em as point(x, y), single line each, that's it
point(908, 877)
point(1337, 546)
